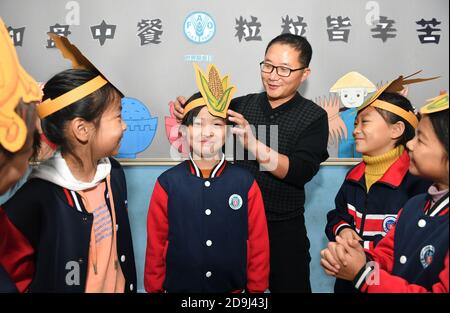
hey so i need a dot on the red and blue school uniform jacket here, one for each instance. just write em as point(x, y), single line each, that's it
point(45, 234)
point(206, 234)
point(372, 214)
point(413, 257)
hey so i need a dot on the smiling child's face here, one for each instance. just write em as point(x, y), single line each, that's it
point(373, 135)
point(111, 129)
point(428, 157)
point(207, 134)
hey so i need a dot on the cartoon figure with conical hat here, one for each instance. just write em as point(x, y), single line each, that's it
point(352, 89)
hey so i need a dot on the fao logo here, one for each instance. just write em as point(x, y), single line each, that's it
point(199, 27)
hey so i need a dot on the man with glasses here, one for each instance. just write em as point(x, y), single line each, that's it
point(302, 131)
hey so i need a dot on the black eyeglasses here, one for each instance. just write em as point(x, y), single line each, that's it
point(282, 71)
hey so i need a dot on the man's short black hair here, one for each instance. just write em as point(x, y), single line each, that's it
point(297, 42)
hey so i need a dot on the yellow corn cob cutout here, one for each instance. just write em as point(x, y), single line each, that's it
point(214, 83)
point(215, 90)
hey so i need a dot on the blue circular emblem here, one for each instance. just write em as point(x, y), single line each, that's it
point(235, 202)
point(388, 223)
point(426, 255)
point(141, 128)
point(199, 27)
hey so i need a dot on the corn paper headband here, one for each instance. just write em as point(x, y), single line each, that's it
point(79, 61)
point(215, 91)
point(396, 85)
point(15, 84)
point(436, 104)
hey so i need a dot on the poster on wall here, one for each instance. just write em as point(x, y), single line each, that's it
point(147, 49)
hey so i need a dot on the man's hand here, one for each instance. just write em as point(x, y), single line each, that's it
point(269, 159)
point(178, 104)
point(243, 130)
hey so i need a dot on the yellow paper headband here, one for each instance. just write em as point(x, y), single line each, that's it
point(215, 91)
point(15, 85)
point(396, 85)
point(436, 104)
point(406, 115)
point(194, 104)
point(50, 106)
point(79, 61)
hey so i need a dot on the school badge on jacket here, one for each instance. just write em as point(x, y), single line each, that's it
point(426, 255)
point(235, 201)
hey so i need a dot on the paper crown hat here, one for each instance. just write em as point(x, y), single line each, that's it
point(15, 85)
point(79, 61)
point(353, 80)
point(436, 104)
point(215, 91)
point(395, 85)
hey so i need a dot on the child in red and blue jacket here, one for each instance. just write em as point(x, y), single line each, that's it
point(413, 257)
point(373, 192)
point(207, 230)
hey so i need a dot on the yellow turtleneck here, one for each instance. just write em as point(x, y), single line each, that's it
point(376, 166)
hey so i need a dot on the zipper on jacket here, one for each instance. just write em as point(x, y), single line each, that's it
point(363, 218)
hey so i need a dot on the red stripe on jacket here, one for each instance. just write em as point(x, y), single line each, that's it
point(69, 198)
point(356, 218)
point(335, 227)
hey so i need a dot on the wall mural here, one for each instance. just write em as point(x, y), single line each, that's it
point(148, 53)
